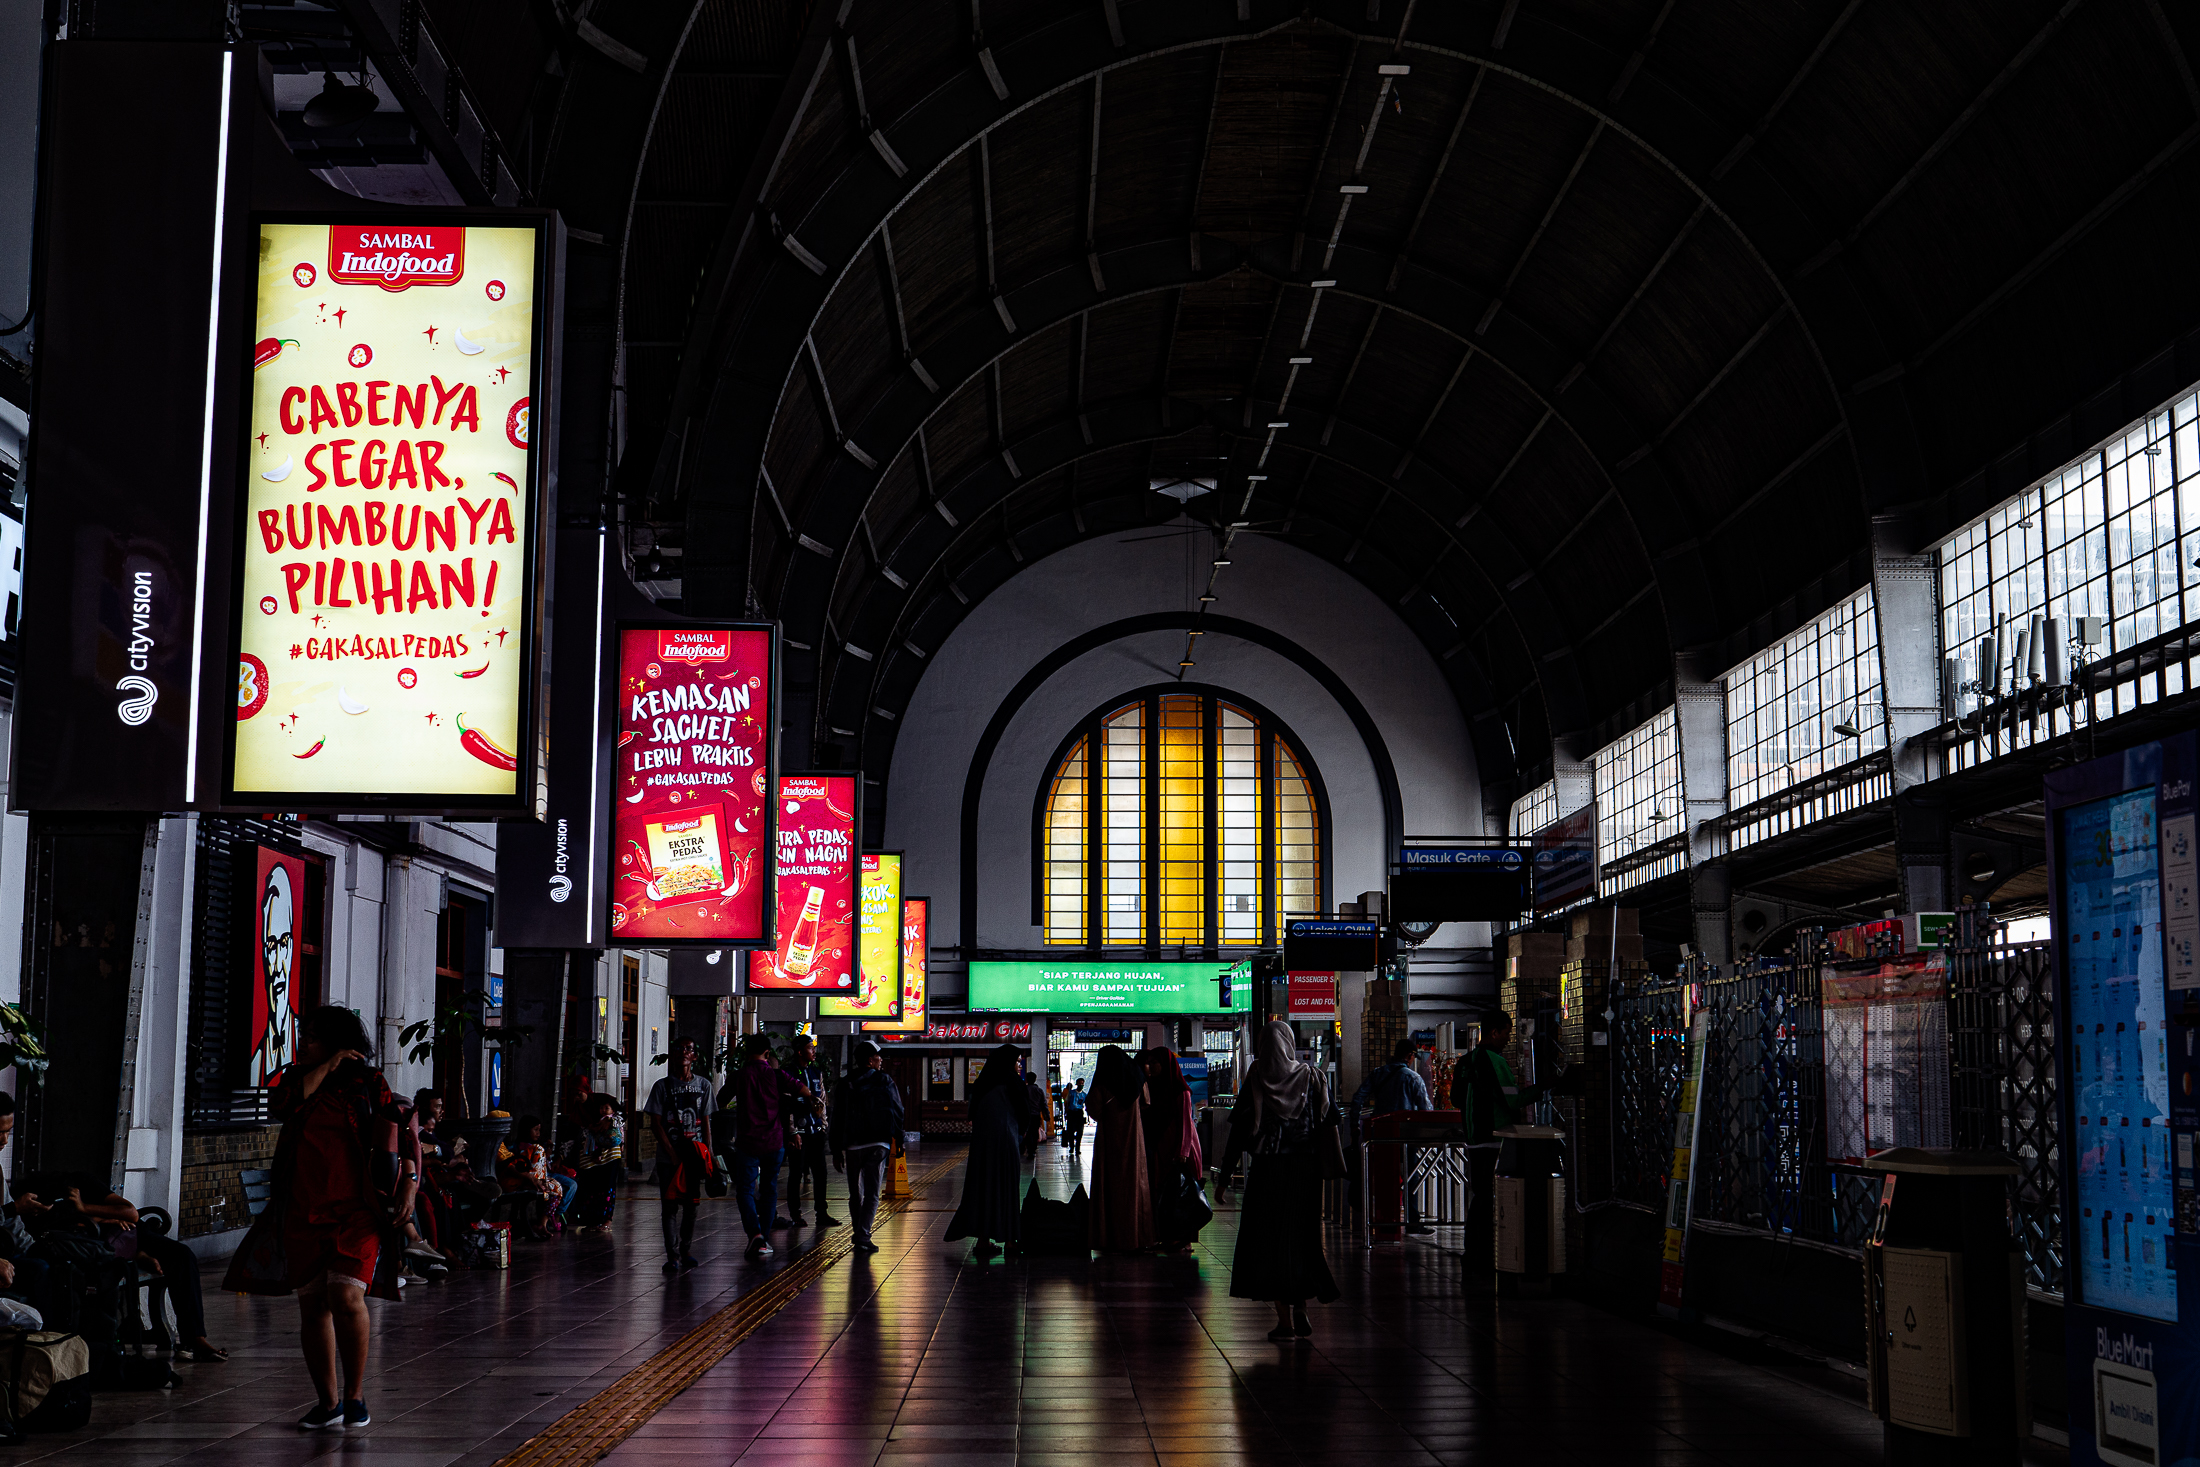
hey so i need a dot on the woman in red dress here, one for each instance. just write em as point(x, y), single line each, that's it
point(339, 1127)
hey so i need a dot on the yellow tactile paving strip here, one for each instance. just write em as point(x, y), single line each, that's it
point(585, 1433)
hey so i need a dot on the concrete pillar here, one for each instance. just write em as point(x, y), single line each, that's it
point(534, 998)
point(1575, 778)
point(1351, 1009)
point(152, 1159)
point(1700, 718)
point(1037, 1064)
point(1905, 594)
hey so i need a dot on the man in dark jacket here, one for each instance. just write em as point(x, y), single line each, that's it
point(1397, 1086)
point(764, 1095)
point(865, 1124)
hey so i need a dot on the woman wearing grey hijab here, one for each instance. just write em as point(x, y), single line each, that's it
point(1285, 1123)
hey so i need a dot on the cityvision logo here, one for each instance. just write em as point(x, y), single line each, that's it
point(2127, 1350)
point(135, 709)
point(561, 885)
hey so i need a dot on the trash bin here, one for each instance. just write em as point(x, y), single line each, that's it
point(1944, 1302)
point(1530, 1208)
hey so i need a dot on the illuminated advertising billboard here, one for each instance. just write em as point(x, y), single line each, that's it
point(1102, 987)
point(692, 820)
point(816, 887)
point(878, 945)
point(388, 556)
point(915, 933)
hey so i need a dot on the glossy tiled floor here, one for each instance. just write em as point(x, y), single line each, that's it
point(917, 1356)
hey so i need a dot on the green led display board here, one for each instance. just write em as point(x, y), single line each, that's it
point(1080, 987)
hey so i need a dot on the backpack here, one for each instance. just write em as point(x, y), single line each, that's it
point(46, 1375)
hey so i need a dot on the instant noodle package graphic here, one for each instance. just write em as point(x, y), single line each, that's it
point(383, 570)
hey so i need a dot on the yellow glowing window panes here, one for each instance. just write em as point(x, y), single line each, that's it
point(1065, 851)
point(1123, 827)
point(1183, 822)
point(1298, 838)
point(1238, 822)
point(1189, 823)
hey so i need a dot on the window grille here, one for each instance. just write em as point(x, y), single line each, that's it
point(1206, 826)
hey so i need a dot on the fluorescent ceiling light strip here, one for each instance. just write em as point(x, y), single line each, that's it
point(206, 447)
point(596, 820)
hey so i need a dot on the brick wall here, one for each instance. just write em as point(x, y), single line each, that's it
point(213, 1197)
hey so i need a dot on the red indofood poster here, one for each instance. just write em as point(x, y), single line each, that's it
point(878, 945)
point(278, 929)
point(816, 887)
point(387, 560)
point(915, 924)
point(691, 823)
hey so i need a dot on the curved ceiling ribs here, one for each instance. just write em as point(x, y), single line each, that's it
point(1596, 308)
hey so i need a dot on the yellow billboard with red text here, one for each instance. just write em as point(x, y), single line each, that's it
point(383, 575)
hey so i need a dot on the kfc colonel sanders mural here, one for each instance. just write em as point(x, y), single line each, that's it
point(276, 1002)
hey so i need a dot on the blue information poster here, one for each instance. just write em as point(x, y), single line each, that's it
point(2111, 873)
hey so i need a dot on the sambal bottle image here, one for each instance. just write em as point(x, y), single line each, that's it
point(802, 945)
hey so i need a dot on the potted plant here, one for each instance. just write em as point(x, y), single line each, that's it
point(439, 1039)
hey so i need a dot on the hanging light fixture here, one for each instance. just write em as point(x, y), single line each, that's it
point(339, 104)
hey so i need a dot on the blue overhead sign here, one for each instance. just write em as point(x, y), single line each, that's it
point(1503, 858)
point(1348, 931)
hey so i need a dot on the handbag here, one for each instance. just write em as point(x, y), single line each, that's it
point(1192, 1208)
point(715, 1183)
point(260, 1265)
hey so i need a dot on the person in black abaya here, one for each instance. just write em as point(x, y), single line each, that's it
point(1172, 1148)
point(1286, 1126)
point(1000, 1116)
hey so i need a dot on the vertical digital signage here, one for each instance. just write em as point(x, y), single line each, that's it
point(135, 426)
point(2120, 862)
point(878, 945)
point(915, 933)
point(2111, 879)
point(815, 885)
point(692, 820)
point(387, 565)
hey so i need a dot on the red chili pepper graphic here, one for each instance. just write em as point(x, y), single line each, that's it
point(318, 744)
point(477, 672)
point(471, 740)
point(507, 478)
point(743, 870)
point(627, 737)
point(268, 350)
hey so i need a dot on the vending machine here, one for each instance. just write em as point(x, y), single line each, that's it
point(2120, 843)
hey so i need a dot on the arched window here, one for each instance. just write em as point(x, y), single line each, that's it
point(1178, 818)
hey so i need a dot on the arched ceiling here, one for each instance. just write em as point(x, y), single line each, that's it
point(1590, 336)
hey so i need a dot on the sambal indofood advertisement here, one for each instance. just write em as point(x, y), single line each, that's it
point(384, 597)
point(691, 816)
point(878, 945)
point(915, 924)
point(816, 887)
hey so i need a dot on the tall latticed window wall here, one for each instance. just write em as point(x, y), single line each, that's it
point(1805, 706)
point(1196, 824)
point(1638, 784)
point(1535, 809)
point(2114, 535)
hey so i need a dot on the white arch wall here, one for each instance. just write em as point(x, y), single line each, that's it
point(1297, 596)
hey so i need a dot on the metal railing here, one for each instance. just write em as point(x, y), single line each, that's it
point(1760, 1162)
